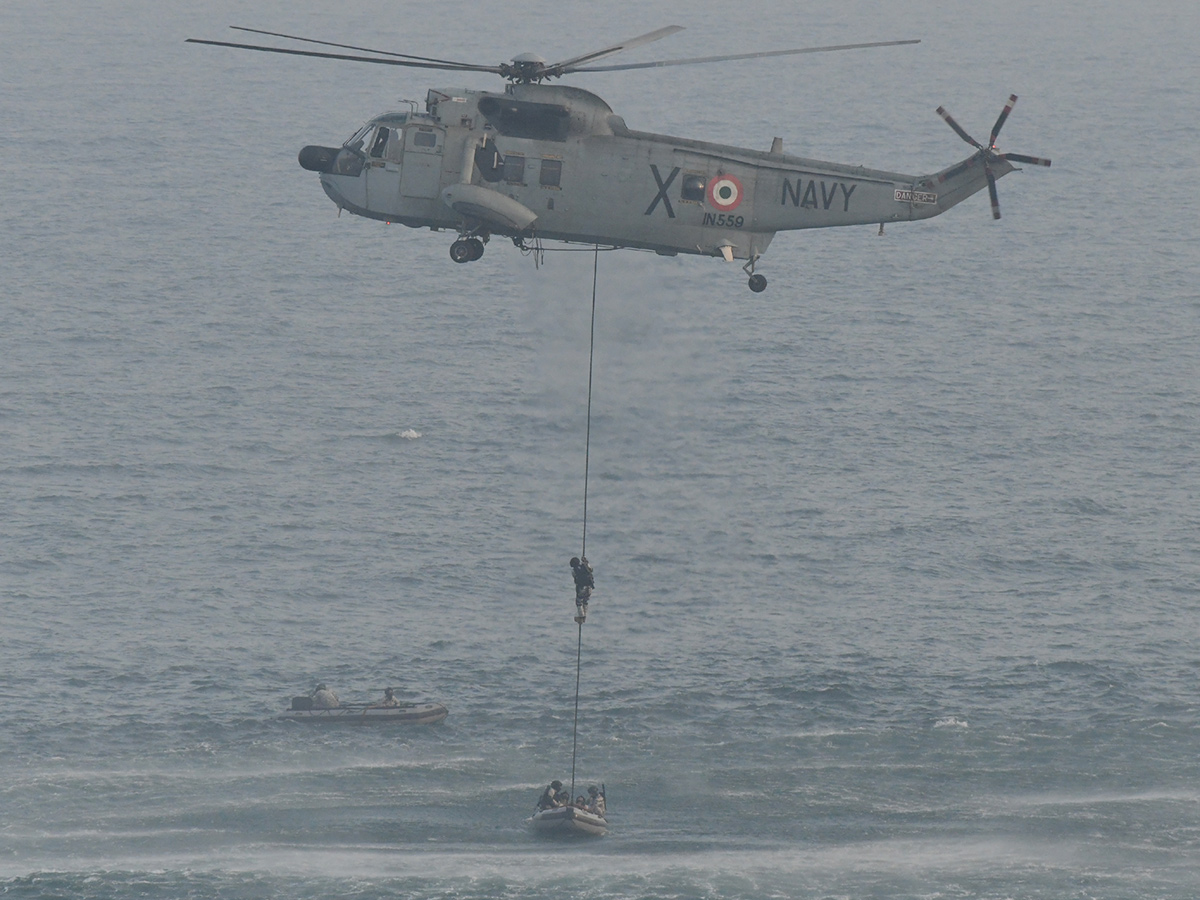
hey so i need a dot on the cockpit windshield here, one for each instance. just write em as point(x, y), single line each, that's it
point(373, 139)
point(356, 141)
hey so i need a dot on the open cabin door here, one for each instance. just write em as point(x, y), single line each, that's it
point(382, 149)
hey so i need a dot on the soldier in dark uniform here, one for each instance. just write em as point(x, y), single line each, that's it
point(549, 798)
point(584, 581)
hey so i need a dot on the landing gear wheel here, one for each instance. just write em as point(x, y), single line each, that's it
point(758, 283)
point(462, 251)
point(476, 247)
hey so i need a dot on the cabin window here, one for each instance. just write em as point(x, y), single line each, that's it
point(514, 169)
point(551, 173)
point(380, 141)
point(693, 188)
point(425, 139)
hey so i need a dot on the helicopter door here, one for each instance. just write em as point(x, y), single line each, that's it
point(421, 172)
point(383, 156)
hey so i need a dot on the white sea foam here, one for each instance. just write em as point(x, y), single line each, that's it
point(951, 722)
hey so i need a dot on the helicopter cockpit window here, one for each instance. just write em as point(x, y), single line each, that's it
point(425, 139)
point(359, 138)
point(692, 188)
point(514, 169)
point(380, 142)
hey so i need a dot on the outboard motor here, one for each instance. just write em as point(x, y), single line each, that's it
point(318, 159)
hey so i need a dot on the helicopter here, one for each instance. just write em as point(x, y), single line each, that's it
point(540, 161)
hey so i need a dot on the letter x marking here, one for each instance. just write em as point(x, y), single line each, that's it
point(662, 190)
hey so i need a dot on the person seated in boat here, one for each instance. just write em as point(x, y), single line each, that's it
point(324, 698)
point(563, 798)
point(596, 804)
point(584, 580)
point(389, 700)
point(549, 798)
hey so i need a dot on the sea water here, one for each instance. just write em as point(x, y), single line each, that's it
point(896, 563)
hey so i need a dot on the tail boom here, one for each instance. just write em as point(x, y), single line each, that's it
point(956, 183)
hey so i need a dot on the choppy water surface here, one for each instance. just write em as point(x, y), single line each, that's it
point(896, 562)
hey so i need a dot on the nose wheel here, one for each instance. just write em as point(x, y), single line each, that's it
point(466, 250)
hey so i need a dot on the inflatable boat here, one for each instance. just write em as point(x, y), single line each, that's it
point(568, 820)
point(366, 714)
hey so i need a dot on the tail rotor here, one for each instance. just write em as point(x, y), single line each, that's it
point(989, 154)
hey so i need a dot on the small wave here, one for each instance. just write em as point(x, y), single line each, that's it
point(826, 732)
point(951, 722)
point(409, 434)
point(1084, 506)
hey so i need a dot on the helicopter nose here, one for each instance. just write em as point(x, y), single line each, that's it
point(318, 159)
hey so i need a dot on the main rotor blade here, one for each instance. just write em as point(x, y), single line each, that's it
point(647, 38)
point(453, 67)
point(1022, 158)
point(1008, 107)
point(958, 129)
point(708, 59)
point(292, 37)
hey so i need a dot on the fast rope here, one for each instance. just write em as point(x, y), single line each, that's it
point(587, 445)
point(587, 455)
point(575, 728)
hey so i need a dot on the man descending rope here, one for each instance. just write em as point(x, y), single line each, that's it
point(584, 582)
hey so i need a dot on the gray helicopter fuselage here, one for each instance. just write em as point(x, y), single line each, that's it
point(555, 162)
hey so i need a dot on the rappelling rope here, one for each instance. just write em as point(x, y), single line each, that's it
point(587, 454)
point(587, 446)
point(575, 727)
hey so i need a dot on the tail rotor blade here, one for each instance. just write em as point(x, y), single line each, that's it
point(958, 129)
point(988, 155)
point(1008, 108)
point(1028, 160)
point(991, 180)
